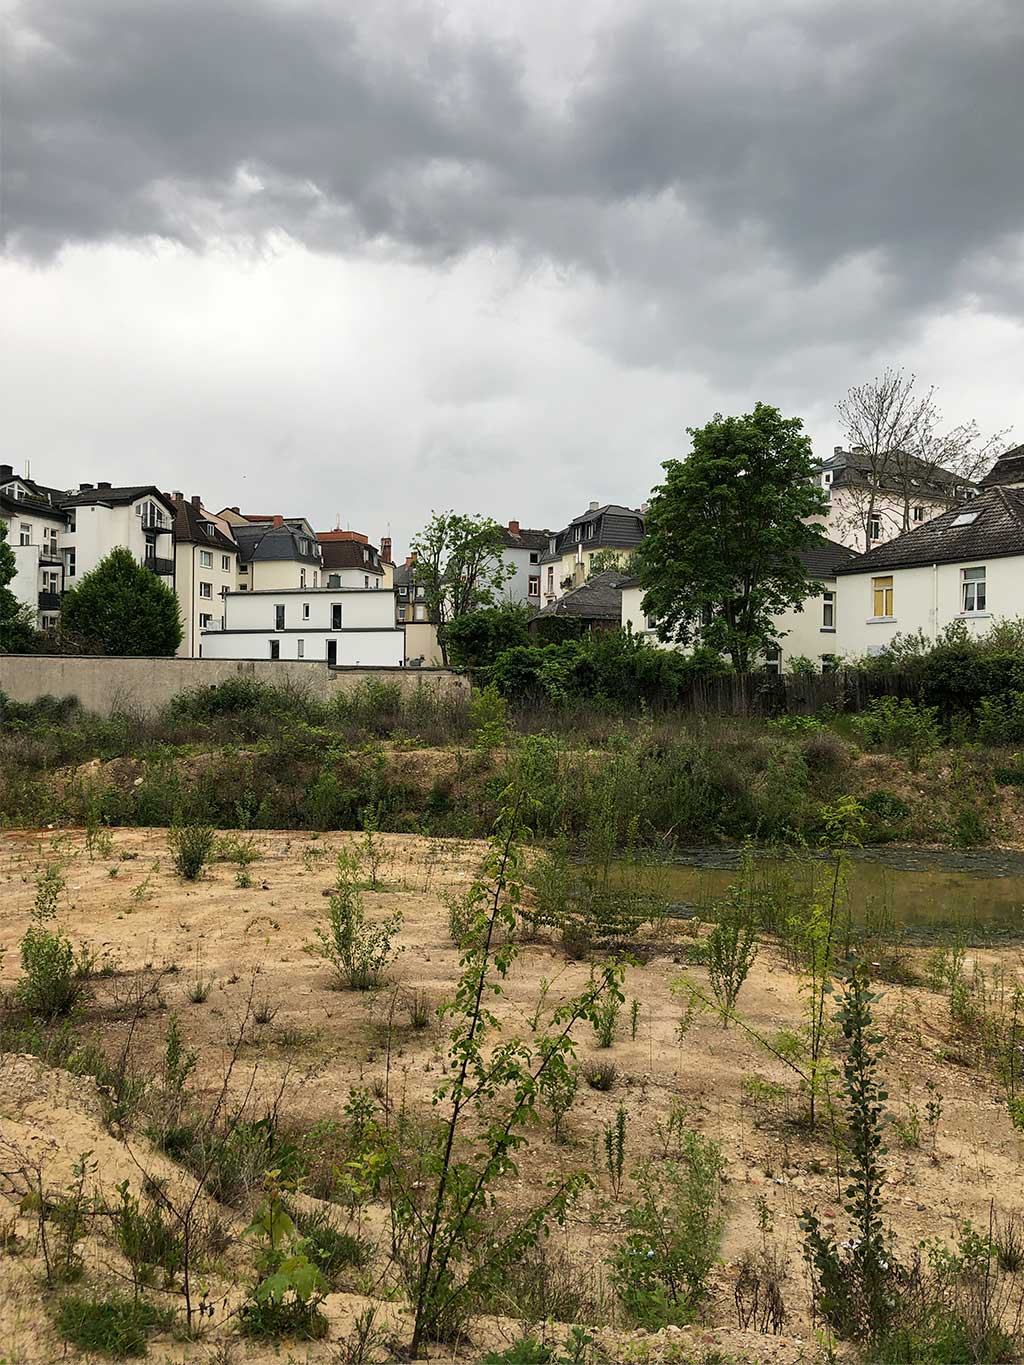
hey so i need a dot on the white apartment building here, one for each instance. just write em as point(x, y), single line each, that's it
point(34, 531)
point(347, 627)
point(205, 568)
point(523, 551)
point(901, 485)
point(101, 518)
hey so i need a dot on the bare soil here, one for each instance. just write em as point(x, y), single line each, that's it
point(130, 906)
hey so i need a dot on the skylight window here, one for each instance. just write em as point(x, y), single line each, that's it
point(966, 518)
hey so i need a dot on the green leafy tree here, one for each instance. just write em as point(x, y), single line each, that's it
point(16, 632)
point(461, 566)
point(476, 639)
point(121, 607)
point(724, 532)
point(601, 560)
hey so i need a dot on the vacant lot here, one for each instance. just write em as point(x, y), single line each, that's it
point(225, 955)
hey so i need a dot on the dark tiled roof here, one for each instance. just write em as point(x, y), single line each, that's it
point(190, 525)
point(274, 542)
point(39, 507)
point(615, 527)
point(348, 554)
point(612, 507)
point(852, 468)
point(996, 530)
point(600, 599)
point(1008, 470)
point(525, 539)
point(116, 497)
point(822, 561)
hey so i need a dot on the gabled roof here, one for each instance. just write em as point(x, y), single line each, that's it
point(853, 468)
point(525, 539)
point(348, 554)
point(1008, 470)
point(995, 530)
point(38, 507)
point(190, 525)
point(116, 497)
point(599, 599)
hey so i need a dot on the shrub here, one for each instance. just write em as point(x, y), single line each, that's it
point(116, 1326)
point(599, 1075)
point(330, 1249)
point(731, 950)
point(286, 1300)
point(606, 1022)
point(359, 952)
point(190, 846)
point(899, 727)
point(50, 984)
point(662, 1269)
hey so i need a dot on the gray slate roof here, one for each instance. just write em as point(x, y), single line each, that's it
point(822, 561)
point(600, 599)
point(526, 539)
point(116, 497)
point(1008, 470)
point(615, 527)
point(260, 541)
point(996, 530)
point(851, 468)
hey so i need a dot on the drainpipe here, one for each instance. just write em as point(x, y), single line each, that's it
point(935, 601)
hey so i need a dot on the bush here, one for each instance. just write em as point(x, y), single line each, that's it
point(116, 1326)
point(1000, 720)
point(662, 1269)
point(190, 846)
point(359, 952)
point(50, 984)
point(899, 727)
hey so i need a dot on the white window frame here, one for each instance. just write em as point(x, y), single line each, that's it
point(828, 610)
point(300, 646)
point(225, 563)
point(206, 591)
point(875, 527)
point(973, 591)
point(206, 559)
point(305, 611)
point(25, 533)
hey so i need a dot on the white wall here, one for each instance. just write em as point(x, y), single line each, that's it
point(374, 609)
point(372, 648)
point(189, 572)
point(99, 529)
point(279, 573)
point(844, 520)
point(926, 598)
point(30, 578)
point(517, 589)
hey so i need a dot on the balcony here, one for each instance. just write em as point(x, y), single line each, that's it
point(163, 567)
point(49, 601)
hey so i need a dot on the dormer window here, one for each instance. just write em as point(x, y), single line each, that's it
point(966, 518)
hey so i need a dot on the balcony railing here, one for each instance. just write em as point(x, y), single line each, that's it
point(163, 567)
point(49, 601)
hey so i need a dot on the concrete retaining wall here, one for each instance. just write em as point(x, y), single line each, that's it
point(107, 685)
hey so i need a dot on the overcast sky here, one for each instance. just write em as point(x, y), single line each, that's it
point(360, 260)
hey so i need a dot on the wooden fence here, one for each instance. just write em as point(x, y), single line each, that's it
point(774, 694)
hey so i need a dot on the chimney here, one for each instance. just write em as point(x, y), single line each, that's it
point(6, 472)
point(594, 506)
point(175, 495)
point(277, 521)
point(104, 485)
point(410, 559)
point(197, 501)
point(385, 549)
point(85, 488)
point(513, 528)
point(837, 450)
point(236, 511)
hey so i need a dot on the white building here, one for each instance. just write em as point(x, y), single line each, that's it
point(274, 551)
point(34, 531)
point(812, 632)
point(348, 627)
point(966, 565)
point(523, 551)
point(870, 500)
point(205, 568)
point(102, 518)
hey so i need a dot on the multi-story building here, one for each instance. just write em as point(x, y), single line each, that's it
point(411, 612)
point(350, 561)
point(101, 517)
point(344, 627)
point(523, 551)
point(870, 499)
point(274, 551)
point(206, 567)
point(610, 532)
point(34, 530)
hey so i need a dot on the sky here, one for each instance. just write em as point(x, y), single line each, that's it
point(361, 261)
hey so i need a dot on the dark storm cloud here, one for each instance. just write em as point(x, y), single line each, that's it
point(693, 149)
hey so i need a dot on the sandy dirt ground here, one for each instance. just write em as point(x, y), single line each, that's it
point(249, 942)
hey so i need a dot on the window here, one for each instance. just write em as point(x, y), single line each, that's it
point(279, 616)
point(204, 620)
point(275, 649)
point(366, 580)
point(71, 563)
point(874, 528)
point(650, 623)
point(534, 556)
point(301, 649)
point(243, 568)
point(335, 616)
point(225, 563)
point(965, 518)
point(51, 540)
point(919, 514)
point(826, 478)
point(305, 611)
point(972, 589)
point(401, 613)
point(210, 529)
point(302, 578)
point(533, 586)
point(420, 592)
point(773, 659)
point(205, 559)
point(205, 589)
point(316, 579)
point(828, 610)
point(26, 533)
point(421, 613)
point(881, 596)
point(551, 579)
point(403, 592)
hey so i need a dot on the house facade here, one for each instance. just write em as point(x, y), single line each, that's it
point(274, 551)
point(902, 485)
point(811, 632)
point(348, 560)
point(607, 531)
point(205, 568)
point(35, 530)
point(421, 646)
point(346, 627)
point(523, 551)
point(966, 565)
point(596, 605)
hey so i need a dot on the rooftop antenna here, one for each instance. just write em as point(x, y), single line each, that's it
point(337, 521)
